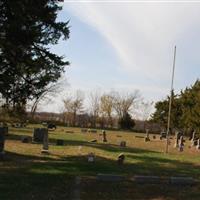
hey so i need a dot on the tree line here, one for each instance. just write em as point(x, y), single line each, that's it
point(103, 110)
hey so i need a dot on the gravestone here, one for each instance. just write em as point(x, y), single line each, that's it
point(51, 126)
point(176, 144)
point(154, 137)
point(123, 144)
point(147, 139)
point(104, 136)
point(110, 177)
point(193, 140)
point(182, 180)
point(147, 179)
point(45, 147)
point(80, 149)
point(181, 144)
point(94, 140)
point(198, 144)
point(26, 139)
point(3, 131)
point(59, 142)
point(120, 159)
point(163, 135)
point(38, 134)
point(91, 157)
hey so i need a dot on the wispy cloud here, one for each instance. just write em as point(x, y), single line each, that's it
point(142, 34)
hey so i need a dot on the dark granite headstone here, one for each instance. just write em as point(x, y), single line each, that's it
point(38, 134)
point(163, 135)
point(3, 132)
point(181, 144)
point(26, 139)
point(147, 179)
point(182, 180)
point(45, 141)
point(123, 144)
point(104, 136)
point(51, 126)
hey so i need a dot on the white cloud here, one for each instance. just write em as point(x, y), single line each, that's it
point(142, 34)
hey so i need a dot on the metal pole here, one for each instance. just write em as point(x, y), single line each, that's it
point(170, 101)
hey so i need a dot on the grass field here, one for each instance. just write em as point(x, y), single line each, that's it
point(27, 174)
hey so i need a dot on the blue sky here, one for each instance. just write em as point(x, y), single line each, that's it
point(129, 45)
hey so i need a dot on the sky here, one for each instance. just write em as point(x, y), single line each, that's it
point(129, 45)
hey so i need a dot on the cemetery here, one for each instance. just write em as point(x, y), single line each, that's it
point(128, 164)
point(92, 119)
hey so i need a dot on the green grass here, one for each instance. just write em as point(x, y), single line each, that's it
point(39, 176)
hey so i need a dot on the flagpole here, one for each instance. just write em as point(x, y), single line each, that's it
point(170, 102)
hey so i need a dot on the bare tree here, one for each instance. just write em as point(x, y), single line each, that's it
point(94, 106)
point(106, 106)
point(124, 103)
point(74, 105)
point(145, 109)
point(46, 96)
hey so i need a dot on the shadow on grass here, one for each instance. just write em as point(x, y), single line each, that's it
point(78, 165)
point(43, 177)
point(143, 162)
point(103, 146)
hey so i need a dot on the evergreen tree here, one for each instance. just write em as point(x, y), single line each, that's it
point(126, 122)
point(27, 66)
point(162, 111)
point(190, 99)
point(185, 111)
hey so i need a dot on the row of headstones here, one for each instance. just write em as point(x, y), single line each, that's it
point(179, 141)
point(104, 139)
point(40, 135)
point(147, 137)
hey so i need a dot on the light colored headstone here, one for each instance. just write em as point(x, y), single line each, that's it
point(120, 159)
point(176, 144)
point(91, 157)
point(198, 144)
point(147, 139)
point(80, 149)
point(193, 139)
